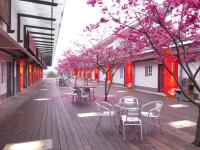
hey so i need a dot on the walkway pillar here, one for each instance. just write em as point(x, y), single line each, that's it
point(34, 70)
point(30, 74)
point(21, 75)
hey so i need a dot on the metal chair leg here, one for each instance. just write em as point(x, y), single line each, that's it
point(124, 132)
point(115, 122)
point(160, 126)
point(98, 123)
point(154, 124)
point(141, 133)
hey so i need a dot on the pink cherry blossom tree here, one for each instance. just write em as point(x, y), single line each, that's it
point(171, 25)
point(69, 63)
point(109, 55)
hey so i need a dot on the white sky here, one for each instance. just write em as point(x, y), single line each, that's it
point(77, 15)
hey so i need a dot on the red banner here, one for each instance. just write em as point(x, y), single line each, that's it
point(169, 82)
point(96, 74)
point(108, 71)
point(129, 75)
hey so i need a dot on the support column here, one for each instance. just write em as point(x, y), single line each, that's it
point(34, 70)
point(30, 74)
point(21, 75)
point(129, 75)
point(170, 85)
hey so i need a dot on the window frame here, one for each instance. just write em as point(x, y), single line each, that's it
point(148, 71)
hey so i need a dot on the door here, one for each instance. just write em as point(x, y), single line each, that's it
point(9, 79)
point(160, 78)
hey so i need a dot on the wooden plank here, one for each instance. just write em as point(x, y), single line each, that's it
point(62, 138)
point(55, 135)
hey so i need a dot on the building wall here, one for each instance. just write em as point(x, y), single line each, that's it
point(102, 76)
point(117, 78)
point(146, 83)
point(92, 72)
point(13, 24)
point(4, 58)
point(193, 66)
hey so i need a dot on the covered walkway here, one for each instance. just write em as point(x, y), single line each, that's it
point(45, 111)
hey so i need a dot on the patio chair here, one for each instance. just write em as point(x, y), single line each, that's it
point(152, 110)
point(84, 95)
point(76, 95)
point(105, 110)
point(131, 118)
point(128, 100)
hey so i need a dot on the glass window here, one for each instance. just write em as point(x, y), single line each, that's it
point(148, 71)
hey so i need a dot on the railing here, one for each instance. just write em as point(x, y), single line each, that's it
point(5, 11)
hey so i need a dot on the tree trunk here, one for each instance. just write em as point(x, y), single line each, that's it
point(197, 137)
point(75, 81)
point(106, 94)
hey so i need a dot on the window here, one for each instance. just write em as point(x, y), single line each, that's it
point(121, 72)
point(148, 71)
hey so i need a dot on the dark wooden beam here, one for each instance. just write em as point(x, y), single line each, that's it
point(30, 26)
point(37, 37)
point(41, 44)
point(47, 48)
point(41, 33)
point(36, 17)
point(46, 51)
point(44, 46)
point(36, 41)
point(41, 2)
point(37, 27)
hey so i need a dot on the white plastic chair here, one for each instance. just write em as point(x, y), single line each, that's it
point(152, 110)
point(128, 100)
point(105, 110)
point(132, 118)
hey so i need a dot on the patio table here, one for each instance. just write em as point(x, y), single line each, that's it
point(121, 108)
point(85, 87)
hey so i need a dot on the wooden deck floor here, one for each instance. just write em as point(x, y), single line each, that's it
point(49, 114)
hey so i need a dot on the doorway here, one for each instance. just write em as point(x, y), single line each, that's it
point(160, 78)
